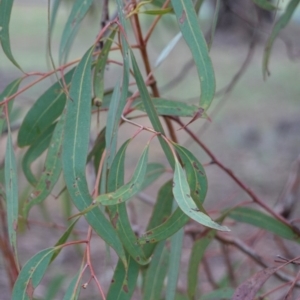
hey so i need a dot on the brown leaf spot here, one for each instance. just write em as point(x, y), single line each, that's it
point(48, 184)
point(115, 220)
point(138, 258)
point(15, 225)
point(30, 289)
point(183, 16)
point(125, 288)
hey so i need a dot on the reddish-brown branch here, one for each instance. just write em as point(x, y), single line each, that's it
point(250, 193)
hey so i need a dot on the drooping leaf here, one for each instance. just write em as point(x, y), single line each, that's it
point(8, 91)
point(182, 195)
point(51, 171)
point(263, 221)
point(174, 264)
point(197, 254)
point(44, 112)
point(54, 11)
point(195, 174)
point(265, 4)
point(150, 109)
point(53, 287)
point(36, 150)
point(98, 80)
point(188, 24)
point(214, 23)
point(161, 211)
point(154, 170)
point(248, 289)
point(279, 25)
point(126, 191)
point(123, 283)
point(156, 273)
point(63, 239)
point(11, 189)
point(31, 275)
point(79, 10)
point(174, 223)
point(118, 213)
point(73, 289)
point(166, 107)
point(5, 13)
point(75, 148)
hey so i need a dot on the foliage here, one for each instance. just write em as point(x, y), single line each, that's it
point(61, 122)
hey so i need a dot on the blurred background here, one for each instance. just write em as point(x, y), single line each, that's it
point(254, 129)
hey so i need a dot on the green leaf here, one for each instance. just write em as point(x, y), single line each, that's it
point(150, 109)
point(188, 24)
point(73, 289)
point(161, 211)
point(126, 191)
point(53, 287)
point(5, 13)
point(157, 12)
point(265, 4)
point(195, 174)
point(214, 23)
point(122, 286)
point(11, 189)
point(174, 264)
point(36, 150)
point(44, 112)
point(166, 107)
point(223, 293)
point(156, 273)
point(51, 171)
point(79, 10)
point(118, 213)
point(197, 254)
point(174, 223)
point(63, 239)
point(54, 11)
point(279, 25)
point(31, 275)
point(8, 91)
point(182, 195)
point(100, 68)
point(263, 221)
point(75, 148)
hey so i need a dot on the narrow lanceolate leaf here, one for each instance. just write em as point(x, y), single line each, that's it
point(5, 12)
point(11, 189)
point(44, 112)
point(188, 24)
point(195, 174)
point(214, 23)
point(182, 195)
point(166, 107)
point(118, 213)
point(150, 109)
point(8, 91)
point(161, 211)
point(74, 288)
point(123, 283)
point(174, 264)
point(78, 12)
point(197, 254)
point(126, 191)
point(263, 221)
point(156, 273)
point(154, 170)
point(265, 4)
point(75, 148)
point(51, 171)
point(248, 289)
point(100, 68)
point(54, 10)
point(63, 239)
point(36, 150)
point(31, 275)
point(279, 25)
point(174, 223)
point(120, 94)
